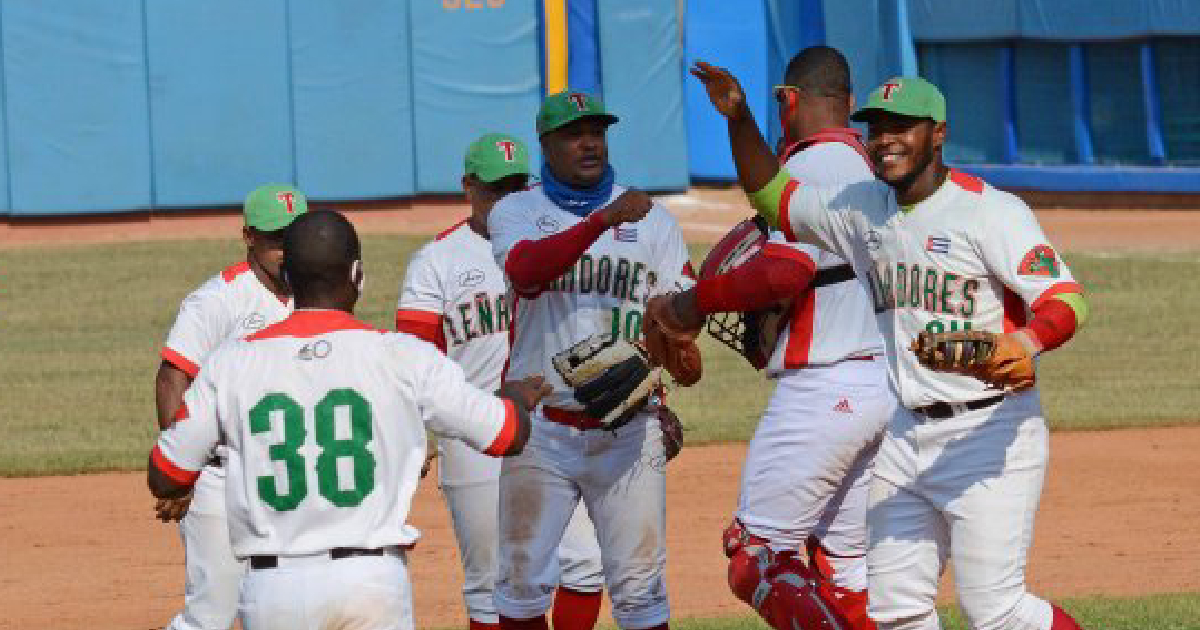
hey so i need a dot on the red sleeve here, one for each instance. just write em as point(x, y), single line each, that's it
point(775, 274)
point(532, 264)
point(422, 325)
point(1053, 323)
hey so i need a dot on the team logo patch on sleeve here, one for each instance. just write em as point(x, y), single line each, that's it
point(1039, 261)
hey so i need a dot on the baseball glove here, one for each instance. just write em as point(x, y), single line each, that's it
point(996, 359)
point(680, 358)
point(612, 378)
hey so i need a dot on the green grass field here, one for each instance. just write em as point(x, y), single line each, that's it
point(1155, 612)
point(83, 326)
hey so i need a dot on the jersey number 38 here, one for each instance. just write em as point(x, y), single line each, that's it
point(337, 403)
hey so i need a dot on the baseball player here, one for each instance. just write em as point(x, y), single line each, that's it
point(240, 300)
point(964, 273)
point(324, 421)
point(807, 470)
point(583, 256)
point(454, 296)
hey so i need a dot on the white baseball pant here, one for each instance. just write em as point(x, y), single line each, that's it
point(316, 592)
point(475, 512)
point(621, 477)
point(808, 466)
point(210, 600)
point(964, 488)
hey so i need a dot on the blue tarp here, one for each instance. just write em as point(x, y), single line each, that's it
point(583, 58)
point(1089, 178)
point(75, 107)
point(474, 71)
point(353, 99)
point(220, 99)
point(642, 68)
point(734, 36)
point(1062, 20)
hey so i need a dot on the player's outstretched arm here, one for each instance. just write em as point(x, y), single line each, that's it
point(756, 165)
point(525, 395)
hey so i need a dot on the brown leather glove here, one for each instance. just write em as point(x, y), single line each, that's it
point(999, 360)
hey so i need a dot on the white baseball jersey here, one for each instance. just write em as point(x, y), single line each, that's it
point(325, 421)
point(230, 304)
point(605, 291)
point(967, 257)
point(454, 282)
point(841, 312)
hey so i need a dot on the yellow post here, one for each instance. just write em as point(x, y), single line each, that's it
point(556, 45)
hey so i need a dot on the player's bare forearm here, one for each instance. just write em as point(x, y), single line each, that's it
point(756, 165)
point(162, 486)
point(169, 385)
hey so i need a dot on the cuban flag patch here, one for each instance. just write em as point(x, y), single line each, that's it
point(938, 245)
point(625, 235)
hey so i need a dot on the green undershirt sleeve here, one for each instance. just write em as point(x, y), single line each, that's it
point(766, 201)
point(1077, 304)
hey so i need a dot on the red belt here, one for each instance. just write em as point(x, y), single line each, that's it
point(865, 357)
point(570, 417)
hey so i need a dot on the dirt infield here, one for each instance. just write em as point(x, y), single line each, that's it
point(705, 215)
point(1118, 517)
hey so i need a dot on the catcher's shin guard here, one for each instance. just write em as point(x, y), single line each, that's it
point(780, 587)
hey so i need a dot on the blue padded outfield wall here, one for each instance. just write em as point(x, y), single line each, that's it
point(126, 105)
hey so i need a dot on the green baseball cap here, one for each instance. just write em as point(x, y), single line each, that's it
point(567, 107)
point(496, 155)
point(907, 96)
point(273, 207)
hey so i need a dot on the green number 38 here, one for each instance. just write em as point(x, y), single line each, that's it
point(339, 401)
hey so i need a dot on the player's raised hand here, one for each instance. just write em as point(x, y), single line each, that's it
point(630, 207)
point(527, 391)
point(723, 89)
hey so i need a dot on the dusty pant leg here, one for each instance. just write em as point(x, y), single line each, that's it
point(213, 574)
point(474, 511)
point(624, 488)
point(905, 556)
point(991, 525)
point(579, 554)
point(536, 502)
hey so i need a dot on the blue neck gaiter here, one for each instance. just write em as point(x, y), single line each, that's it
point(577, 201)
